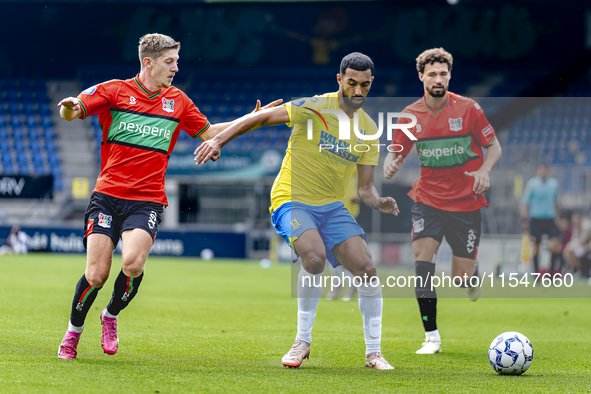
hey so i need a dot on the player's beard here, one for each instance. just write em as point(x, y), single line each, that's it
point(348, 100)
point(439, 94)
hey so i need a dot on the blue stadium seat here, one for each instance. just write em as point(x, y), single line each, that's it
point(17, 134)
point(8, 168)
point(29, 108)
point(222, 110)
point(48, 135)
point(23, 169)
point(21, 158)
point(53, 159)
point(39, 169)
point(15, 121)
point(6, 158)
point(58, 183)
point(33, 135)
point(44, 110)
point(31, 122)
point(13, 95)
point(50, 147)
point(27, 96)
point(55, 168)
point(35, 147)
point(19, 146)
point(46, 122)
point(37, 158)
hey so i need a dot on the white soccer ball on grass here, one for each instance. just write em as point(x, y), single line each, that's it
point(510, 353)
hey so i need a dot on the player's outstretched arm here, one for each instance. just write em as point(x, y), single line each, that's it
point(268, 117)
point(392, 164)
point(369, 194)
point(217, 128)
point(70, 108)
point(481, 177)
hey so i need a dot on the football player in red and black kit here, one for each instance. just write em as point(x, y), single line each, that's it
point(141, 120)
point(450, 131)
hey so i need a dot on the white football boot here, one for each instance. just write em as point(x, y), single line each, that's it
point(430, 346)
point(299, 352)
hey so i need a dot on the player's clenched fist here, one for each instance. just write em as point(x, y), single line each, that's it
point(391, 167)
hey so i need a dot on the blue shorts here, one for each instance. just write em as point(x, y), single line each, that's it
point(332, 221)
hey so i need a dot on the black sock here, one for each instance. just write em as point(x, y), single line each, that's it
point(123, 292)
point(426, 297)
point(83, 298)
point(535, 260)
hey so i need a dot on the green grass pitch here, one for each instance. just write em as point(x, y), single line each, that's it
point(223, 326)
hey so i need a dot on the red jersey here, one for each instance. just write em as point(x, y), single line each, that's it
point(140, 129)
point(449, 141)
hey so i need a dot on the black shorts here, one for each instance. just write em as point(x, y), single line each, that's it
point(461, 229)
point(539, 227)
point(112, 216)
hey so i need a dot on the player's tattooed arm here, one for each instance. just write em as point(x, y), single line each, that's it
point(369, 194)
point(481, 177)
point(70, 108)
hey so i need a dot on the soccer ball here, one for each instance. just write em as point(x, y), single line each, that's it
point(510, 353)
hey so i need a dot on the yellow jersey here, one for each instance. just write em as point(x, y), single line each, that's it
point(312, 172)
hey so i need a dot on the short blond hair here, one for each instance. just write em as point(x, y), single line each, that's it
point(435, 55)
point(153, 45)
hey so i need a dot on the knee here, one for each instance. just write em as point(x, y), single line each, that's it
point(314, 262)
point(96, 278)
point(134, 267)
point(366, 269)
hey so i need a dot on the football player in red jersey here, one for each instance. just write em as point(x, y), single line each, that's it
point(451, 131)
point(141, 120)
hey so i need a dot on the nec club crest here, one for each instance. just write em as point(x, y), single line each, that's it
point(455, 124)
point(105, 220)
point(168, 105)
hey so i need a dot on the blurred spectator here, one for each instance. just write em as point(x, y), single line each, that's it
point(577, 252)
point(526, 250)
point(16, 242)
point(540, 204)
point(564, 225)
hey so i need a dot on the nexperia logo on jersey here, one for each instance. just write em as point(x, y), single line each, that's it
point(445, 152)
point(144, 131)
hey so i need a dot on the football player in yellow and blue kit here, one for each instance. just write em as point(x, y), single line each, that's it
point(306, 199)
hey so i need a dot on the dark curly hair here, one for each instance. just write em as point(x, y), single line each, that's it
point(435, 55)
